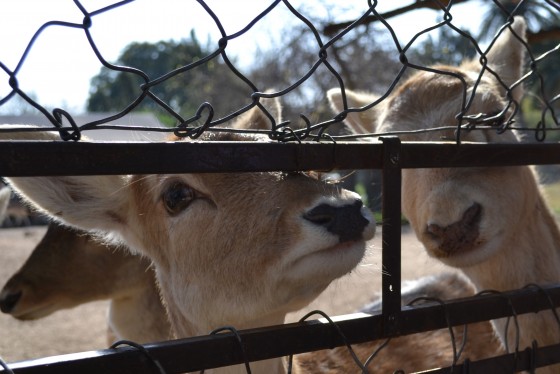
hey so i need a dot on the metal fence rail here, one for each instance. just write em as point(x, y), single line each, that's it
point(294, 151)
point(210, 351)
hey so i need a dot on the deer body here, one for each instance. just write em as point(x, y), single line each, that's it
point(403, 353)
point(228, 249)
point(491, 222)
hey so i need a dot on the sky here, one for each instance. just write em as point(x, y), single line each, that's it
point(61, 63)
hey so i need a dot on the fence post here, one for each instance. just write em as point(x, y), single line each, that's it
point(391, 234)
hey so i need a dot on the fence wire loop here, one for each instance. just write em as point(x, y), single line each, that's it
point(182, 129)
point(456, 353)
point(157, 365)
point(374, 354)
point(336, 328)
point(235, 332)
point(533, 351)
point(506, 327)
point(287, 134)
point(549, 299)
point(64, 134)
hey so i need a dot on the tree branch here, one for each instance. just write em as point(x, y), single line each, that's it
point(419, 4)
point(544, 35)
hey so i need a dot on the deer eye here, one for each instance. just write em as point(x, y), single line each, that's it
point(177, 197)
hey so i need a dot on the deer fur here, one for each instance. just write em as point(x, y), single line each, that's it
point(69, 267)
point(416, 352)
point(493, 222)
point(228, 249)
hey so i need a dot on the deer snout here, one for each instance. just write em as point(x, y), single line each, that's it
point(348, 222)
point(459, 235)
point(9, 300)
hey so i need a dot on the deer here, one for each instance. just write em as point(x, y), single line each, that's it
point(69, 267)
point(459, 214)
point(228, 249)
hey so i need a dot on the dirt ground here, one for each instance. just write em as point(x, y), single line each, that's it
point(84, 328)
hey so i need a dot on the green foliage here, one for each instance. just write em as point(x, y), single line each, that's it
point(446, 47)
point(212, 81)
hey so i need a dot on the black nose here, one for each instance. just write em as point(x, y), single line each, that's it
point(346, 221)
point(8, 302)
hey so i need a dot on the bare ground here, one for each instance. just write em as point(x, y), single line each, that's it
point(84, 328)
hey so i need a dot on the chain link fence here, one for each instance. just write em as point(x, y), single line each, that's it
point(322, 141)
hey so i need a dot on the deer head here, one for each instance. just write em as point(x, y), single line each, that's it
point(241, 249)
point(458, 213)
point(68, 268)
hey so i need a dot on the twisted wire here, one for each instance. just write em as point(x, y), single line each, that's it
point(155, 363)
point(502, 121)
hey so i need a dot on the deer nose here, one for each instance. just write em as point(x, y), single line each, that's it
point(8, 301)
point(460, 234)
point(346, 221)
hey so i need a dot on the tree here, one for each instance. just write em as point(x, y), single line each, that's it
point(537, 13)
point(358, 58)
point(113, 90)
point(445, 47)
point(543, 21)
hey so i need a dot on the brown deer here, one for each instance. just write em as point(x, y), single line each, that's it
point(493, 222)
point(69, 267)
point(228, 249)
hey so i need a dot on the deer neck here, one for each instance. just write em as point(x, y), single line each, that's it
point(532, 256)
point(186, 326)
point(140, 315)
point(272, 366)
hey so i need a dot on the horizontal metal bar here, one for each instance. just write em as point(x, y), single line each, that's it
point(506, 364)
point(71, 158)
point(23, 158)
point(433, 154)
point(196, 353)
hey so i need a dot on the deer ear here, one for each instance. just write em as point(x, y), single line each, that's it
point(507, 54)
point(362, 122)
point(89, 202)
point(92, 202)
point(256, 119)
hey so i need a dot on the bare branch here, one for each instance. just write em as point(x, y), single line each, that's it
point(544, 35)
point(419, 4)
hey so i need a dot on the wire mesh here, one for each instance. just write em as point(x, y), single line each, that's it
point(329, 40)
